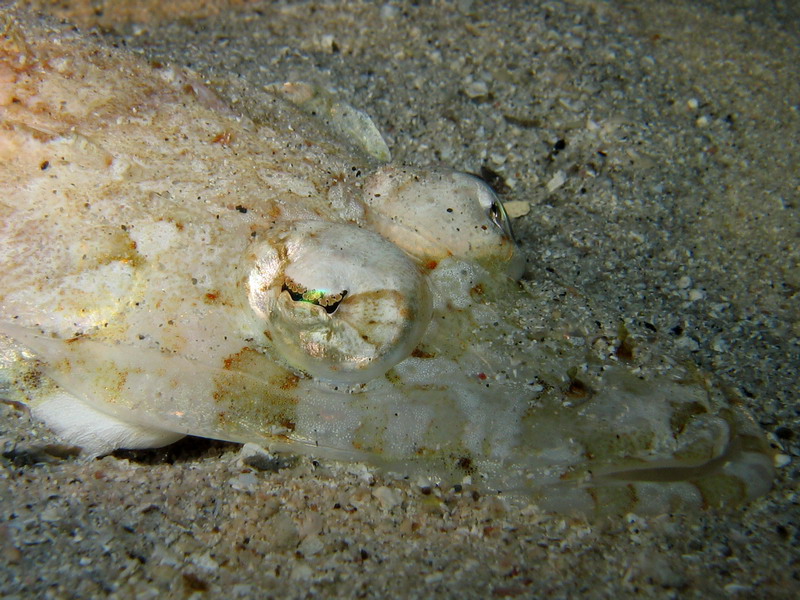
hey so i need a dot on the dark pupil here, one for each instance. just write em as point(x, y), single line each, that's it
point(319, 300)
point(496, 215)
point(296, 296)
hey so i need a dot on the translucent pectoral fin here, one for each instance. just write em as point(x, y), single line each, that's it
point(25, 379)
point(651, 446)
point(246, 397)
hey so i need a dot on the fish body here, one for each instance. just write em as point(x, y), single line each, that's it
point(170, 267)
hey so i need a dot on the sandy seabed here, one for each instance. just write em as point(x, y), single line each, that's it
point(658, 148)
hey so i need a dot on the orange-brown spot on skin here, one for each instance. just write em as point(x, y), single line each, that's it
point(431, 264)
point(477, 290)
point(233, 361)
point(116, 247)
point(223, 139)
point(247, 383)
point(288, 424)
point(115, 383)
point(290, 382)
point(211, 297)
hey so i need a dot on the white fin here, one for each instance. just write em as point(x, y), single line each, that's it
point(96, 432)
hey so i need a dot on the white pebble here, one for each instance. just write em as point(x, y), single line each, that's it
point(433, 578)
point(387, 497)
point(327, 43)
point(736, 588)
point(476, 89)
point(556, 181)
point(687, 343)
point(388, 11)
point(244, 482)
point(311, 545)
point(517, 208)
point(696, 294)
point(301, 572)
point(205, 562)
point(781, 460)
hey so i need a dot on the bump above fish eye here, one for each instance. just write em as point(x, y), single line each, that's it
point(494, 207)
point(436, 213)
point(337, 301)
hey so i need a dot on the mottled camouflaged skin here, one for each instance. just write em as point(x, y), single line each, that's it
point(131, 201)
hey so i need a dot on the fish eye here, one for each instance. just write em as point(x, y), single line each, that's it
point(494, 208)
point(330, 301)
point(338, 302)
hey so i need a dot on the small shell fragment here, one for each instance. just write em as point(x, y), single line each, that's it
point(517, 208)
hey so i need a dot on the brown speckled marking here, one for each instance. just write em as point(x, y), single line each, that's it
point(241, 360)
point(614, 499)
point(224, 139)
point(253, 403)
point(378, 297)
point(465, 464)
point(290, 382)
point(253, 391)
